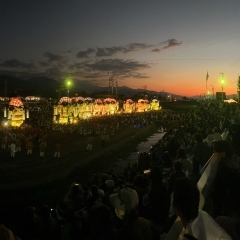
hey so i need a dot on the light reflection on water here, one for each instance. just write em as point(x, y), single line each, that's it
point(142, 147)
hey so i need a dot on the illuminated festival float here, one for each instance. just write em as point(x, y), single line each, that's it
point(129, 106)
point(154, 105)
point(142, 105)
point(71, 110)
point(110, 106)
point(63, 112)
point(16, 112)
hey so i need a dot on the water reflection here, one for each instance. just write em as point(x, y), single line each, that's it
point(142, 147)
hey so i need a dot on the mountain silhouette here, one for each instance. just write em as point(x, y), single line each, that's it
point(49, 87)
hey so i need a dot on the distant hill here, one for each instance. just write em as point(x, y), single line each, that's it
point(48, 87)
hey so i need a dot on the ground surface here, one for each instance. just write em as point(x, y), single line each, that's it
point(32, 176)
point(31, 180)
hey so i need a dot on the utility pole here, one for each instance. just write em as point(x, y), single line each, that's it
point(5, 89)
point(110, 86)
point(238, 88)
point(116, 90)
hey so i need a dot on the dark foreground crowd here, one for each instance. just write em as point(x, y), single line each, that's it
point(144, 201)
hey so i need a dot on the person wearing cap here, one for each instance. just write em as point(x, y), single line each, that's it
point(125, 203)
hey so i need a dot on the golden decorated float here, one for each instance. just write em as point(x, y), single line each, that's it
point(154, 105)
point(129, 106)
point(15, 112)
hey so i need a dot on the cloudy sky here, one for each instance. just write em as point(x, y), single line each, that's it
point(162, 45)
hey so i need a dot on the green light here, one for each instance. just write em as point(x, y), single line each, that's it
point(222, 81)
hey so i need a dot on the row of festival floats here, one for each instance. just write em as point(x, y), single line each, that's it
point(70, 110)
point(15, 112)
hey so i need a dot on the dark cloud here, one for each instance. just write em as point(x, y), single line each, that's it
point(71, 67)
point(116, 65)
point(135, 75)
point(14, 63)
point(156, 50)
point(53, 57)
point(171, 43)
point(44, 64)
point(55, 71)
point(95, 75)
point(107, 52)
point(85, 54)
point(103, 68)
point(136, 47)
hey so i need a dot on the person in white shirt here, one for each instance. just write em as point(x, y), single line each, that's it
point(13, 149)
point(210, 137)
point(217, 134)
point(187, 166)
point(225, 134)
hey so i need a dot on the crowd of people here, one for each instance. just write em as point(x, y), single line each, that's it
point(144, 201)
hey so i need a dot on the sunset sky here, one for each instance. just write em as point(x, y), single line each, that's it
point(165, 45)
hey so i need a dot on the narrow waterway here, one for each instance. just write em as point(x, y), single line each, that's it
point(142, 147)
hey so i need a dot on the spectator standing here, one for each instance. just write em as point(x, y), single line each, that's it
point(197, 224)
point(141, 183)
point(186, 162)
point(217, 134)
point(178, 173)
point(125, 204)
point(159, 198)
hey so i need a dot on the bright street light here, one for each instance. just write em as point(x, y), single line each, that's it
point(68, 83)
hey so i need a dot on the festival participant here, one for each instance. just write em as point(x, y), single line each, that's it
point(57, 150)
point(90, 143)
point(18, 145)
point(29, 147)
point(103, 140)
point(9, 142)
point(4, 142)
point(13, 149)
point(112, 131)
point(42, 149)
point(44, 139)
point(106, 138)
